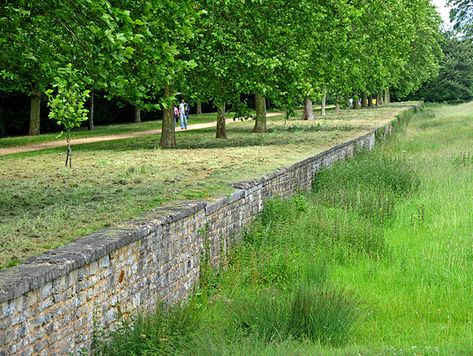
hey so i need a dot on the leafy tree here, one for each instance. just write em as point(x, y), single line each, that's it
point(38, 38)
point(455, 80)
point(271, 55)
point(250, 47)
point(394, 45)
point(67, 99)
point(329, 66)
point(161, 58)
point(215, 50)
point(462, 16)
point(423, 54)
point(162, 31)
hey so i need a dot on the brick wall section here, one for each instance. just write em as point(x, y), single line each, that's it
point(51, 303)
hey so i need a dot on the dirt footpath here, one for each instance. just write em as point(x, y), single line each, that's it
point(80, 141)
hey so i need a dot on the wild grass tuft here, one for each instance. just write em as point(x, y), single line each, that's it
point(371, 170)
point(165, 331)
point(309, 311)
point(323, 314)
point(464, 159)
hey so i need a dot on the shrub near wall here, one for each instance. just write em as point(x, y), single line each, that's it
point(53, 302)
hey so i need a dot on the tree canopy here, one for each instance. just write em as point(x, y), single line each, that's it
point(215, 50)
point(455, 79)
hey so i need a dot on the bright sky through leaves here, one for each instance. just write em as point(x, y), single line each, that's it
point(444, 11)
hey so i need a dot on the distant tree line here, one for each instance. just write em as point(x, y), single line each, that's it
point(455, 80)
point(146, 54)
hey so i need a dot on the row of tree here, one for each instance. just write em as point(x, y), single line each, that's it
point(290, 51)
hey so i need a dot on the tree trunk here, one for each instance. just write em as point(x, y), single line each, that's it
point(260, 123)
point(221, 132)
point(69, 150)
point(324, 101)
point(364, 100)
point(199, 107)
point(168, 132)
point(138, 115)
point(370, 101)
point(337, 105)
point(380, 99)
point(35, 118)
point(356, 102)
point(389, 96)
point(386, 96)
point(91, 110)
point(2, 116)
point(308, 113)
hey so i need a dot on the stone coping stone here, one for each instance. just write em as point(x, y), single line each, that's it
point(39, 270)
point(251, 184)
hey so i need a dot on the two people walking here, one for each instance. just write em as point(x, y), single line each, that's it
point(182, 113)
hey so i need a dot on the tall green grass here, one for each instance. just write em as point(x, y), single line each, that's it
point(375, 260)
point(277, 287)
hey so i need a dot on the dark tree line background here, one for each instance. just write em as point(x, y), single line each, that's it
point(455, 80)
point(15, 114)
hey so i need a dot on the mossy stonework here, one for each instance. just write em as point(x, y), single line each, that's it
point(53, 303)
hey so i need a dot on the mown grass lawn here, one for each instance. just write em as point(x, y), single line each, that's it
point(44, 205)
point(375, 261)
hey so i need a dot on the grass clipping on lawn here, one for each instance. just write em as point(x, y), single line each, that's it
point(44, 205)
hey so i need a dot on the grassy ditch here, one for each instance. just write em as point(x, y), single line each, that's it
point(375, 260)
point(44, 205)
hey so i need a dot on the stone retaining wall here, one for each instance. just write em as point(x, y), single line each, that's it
point(51, 303)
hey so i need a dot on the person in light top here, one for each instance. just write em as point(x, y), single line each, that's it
point(183, 114)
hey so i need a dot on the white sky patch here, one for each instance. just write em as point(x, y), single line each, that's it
point(444, 11)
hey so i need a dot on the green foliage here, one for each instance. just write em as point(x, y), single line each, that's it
point(92, 35)
point(455, 79)
point(159, 50)
point(283, 50)
point(67, 99)
point(461, 15)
